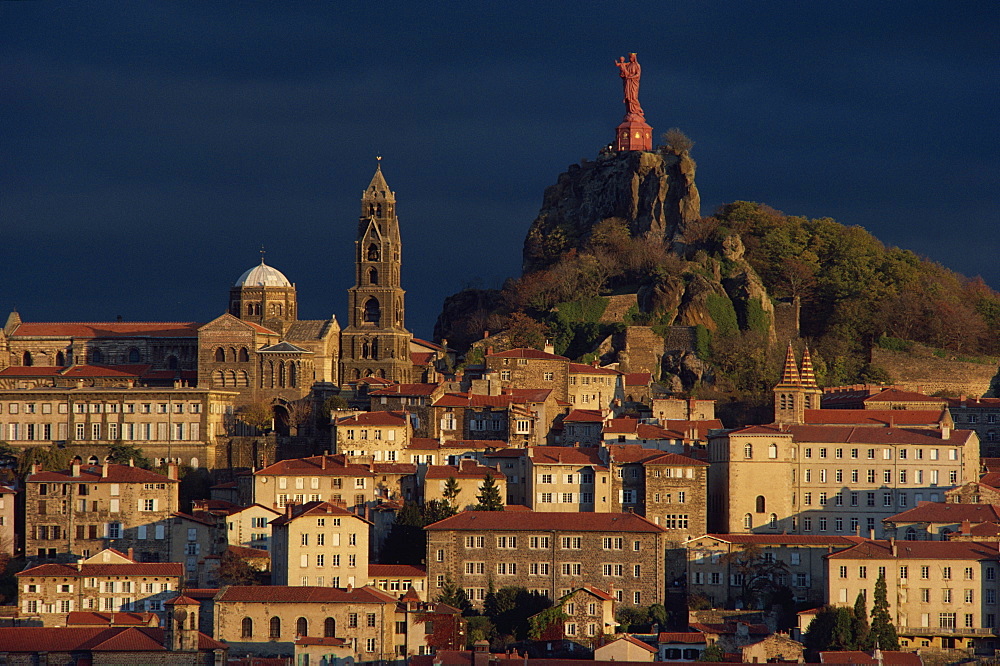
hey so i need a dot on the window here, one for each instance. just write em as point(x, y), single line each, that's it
point(302, 627)
point(275, 627)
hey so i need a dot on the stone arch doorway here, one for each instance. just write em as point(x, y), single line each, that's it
point(281, 420)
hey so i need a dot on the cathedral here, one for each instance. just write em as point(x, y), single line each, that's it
point(259, 349)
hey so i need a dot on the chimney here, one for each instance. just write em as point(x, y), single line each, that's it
point(172, 471)
point(966, 526)
point(79, 565)
point(131, 462)
point(104, 470)
point(322, 462)
point(549, 348)
point(892, 420)
point(350, 587)
point(76, 467)
point(871, 534)
point(480, 653)
point(945, 431)
point(288, 509)
point(131, 554)
point(892, 546)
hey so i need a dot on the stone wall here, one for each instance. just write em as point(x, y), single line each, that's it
point(618, 305)
point(640, 350)
point(930, 374)
point(681, 338)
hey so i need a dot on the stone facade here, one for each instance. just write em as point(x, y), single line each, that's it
point(319, 544)
point(106, 581)
point(178, 424)
point(87, 508)
point(592, 387)
point(314, 479)
point(564, 478)
point(550, 553)
point(376, 342)
point(379, 436)
point(531, 369)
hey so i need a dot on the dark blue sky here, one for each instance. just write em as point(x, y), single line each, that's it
point(147, 150)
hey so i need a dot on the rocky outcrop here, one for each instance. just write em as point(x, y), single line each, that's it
point(654, 193)
point(467, 315)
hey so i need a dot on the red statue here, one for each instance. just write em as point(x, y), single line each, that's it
point(630, 72)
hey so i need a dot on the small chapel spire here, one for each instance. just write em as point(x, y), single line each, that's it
point(790, 374)
point(807, 374)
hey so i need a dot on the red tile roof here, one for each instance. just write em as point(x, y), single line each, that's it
point(424, 444)
point(286, 594)
point(525, 352)
point(584, 416)
point(408, 390)
point(315, 640)
point(566, 455)
point(397, 419)
point(939, 512)
point(529, 394)
point(474, 444)
point(106, 569)
point(422, 358)
point(31, 371)
point(899, 395)
point(676, 459)
point(624, 425)
point(629, 638)
point(585, 369)
point(554, 520)
point(833, 434)
point(875, 417)
point(94, 618)
point(991, 479)
point(396, 571)
point(93, 639)
point(320, 509)
point(246, 553)
point(889, 658)
point(596, 591)
point(426, 343)
point(680, 637)
point(638, 379)
point(181, 600)
point(973, 402)
point(393, 468)
point(919, 550)
point(92, 474)
point(202, 592)
point(335, 465)
point(112, 329)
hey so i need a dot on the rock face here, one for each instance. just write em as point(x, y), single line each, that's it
point(653, 193)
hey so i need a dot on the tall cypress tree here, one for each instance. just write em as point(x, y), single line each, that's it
point(883, 632)
point(861, 630)
point(489, 495)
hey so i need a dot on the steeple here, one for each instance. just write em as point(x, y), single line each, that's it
point(790, 374)
point(807, 374)
point(375, 341)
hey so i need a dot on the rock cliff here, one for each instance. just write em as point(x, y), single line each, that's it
point(654, 193)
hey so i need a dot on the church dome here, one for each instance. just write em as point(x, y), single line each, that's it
point(263, 275)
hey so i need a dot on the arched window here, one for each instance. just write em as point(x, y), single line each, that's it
point(329, 628)
point(60, 359)
point(302, 627)
point(773, 521)
point(748, 451)
point(232, 355)
point(244, 356)
point(217, 379)
point(373, 311)
point(381, 374)
point(249, 308)
point(275, 627)
point(279, 309)
point(26, 359)
point(92, 460)
point(748, 522)
point(281, 374)
point(293, 375)
point(373, 252)
point(220, 355)
point(760, 504)
point(96, 356)
point(270, 310)
point(194, 463)
point(357, 373)
point(372, 276)
point(244, 379)
point(230, 378)
point(375, 349)
point(364, 349)
point(378, 210)
point(133, 355)
point(772, 450)
point(911, 534)
point(782, 401)
point(172, 362)
point(247, 627)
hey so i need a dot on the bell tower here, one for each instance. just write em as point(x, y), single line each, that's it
point(375, 342)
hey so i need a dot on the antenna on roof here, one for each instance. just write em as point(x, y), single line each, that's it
point(262, 253)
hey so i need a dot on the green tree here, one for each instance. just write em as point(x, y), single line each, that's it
point(407, 540)
point(883, 632)
point(234, 570)
point(712, 653)
point(121, 454)
point(758, 575)
point(860, 628)
point(831, 629)
point(454, 596)
point(257, 415)
point(510, 607)
point(489, 495)
point(451, 491)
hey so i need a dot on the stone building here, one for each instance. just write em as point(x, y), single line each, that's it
point(319, 544)
point(568, 478)
point(325, 478)
point(106, 581)
point(667, 488)
point(80, 511)
point(524, 368)
point(9, 539)
point(593, 387)
point(589, 617)
point(712, 572)
point(938, 521)
point(549, 553)
point(266, 620)
point(941, 594)
point(186, 425)
point(470, 476)
point(250, 527)
point(831, 479)
point(380, 436)
point(375, 342)
point(981, 415)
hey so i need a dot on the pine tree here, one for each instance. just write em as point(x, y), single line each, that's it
point(489, 495)
point(454, 596)
point(883, 632)
point(451, 491)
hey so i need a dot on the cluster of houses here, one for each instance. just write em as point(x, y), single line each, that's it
point(613, 497)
